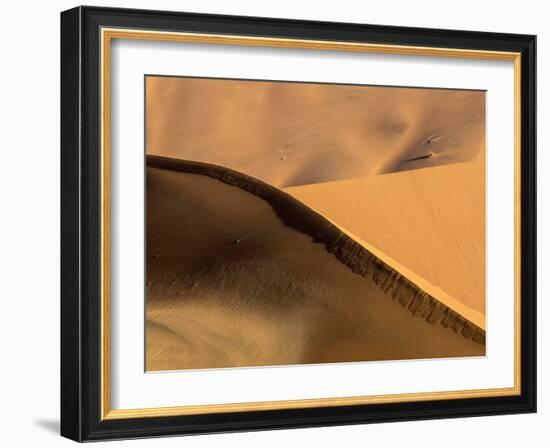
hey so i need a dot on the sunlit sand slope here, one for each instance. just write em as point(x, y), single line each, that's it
point(431, 221)
point(290, 134)
point(241, 274)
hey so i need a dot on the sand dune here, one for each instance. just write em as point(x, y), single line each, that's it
point(289, 134)
point(241, 274)
point(431, 221)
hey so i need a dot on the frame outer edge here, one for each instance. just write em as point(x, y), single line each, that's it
point(71, 326)
point(529, 224)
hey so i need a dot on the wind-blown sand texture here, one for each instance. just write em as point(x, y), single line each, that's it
point(431, 221)
point(289, 134)
point(241, 274)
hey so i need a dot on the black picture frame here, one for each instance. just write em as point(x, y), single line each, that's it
point(81, 227)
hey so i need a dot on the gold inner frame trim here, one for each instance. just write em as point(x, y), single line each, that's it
point(107, 35)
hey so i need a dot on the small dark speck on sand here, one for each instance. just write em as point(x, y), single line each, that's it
point(427, 156)
point(237, 241)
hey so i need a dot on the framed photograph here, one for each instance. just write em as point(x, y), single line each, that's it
point(272, 223)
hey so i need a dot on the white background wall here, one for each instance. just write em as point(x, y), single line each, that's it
point(29, 224)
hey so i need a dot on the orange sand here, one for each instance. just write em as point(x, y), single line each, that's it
point(289, 134)
point(230, 285)
point(431, 221)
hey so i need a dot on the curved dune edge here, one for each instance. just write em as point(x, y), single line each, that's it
point(468, 313)
point(348, 251)
point(431, 220)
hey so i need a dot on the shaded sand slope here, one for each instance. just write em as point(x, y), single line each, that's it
point(289, 134)
point(231, 282)
point(431, 221)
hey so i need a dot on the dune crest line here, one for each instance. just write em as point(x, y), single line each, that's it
point(300, 217)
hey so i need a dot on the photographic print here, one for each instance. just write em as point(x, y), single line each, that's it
point(274, 224)
point(303, 223)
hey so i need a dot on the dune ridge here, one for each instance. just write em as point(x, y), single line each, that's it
point(429, 220)
point(468, 313)
point(349, 252)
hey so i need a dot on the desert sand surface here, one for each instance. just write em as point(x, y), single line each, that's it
point(431, 221)
point(289, 134)
point(241, 274)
